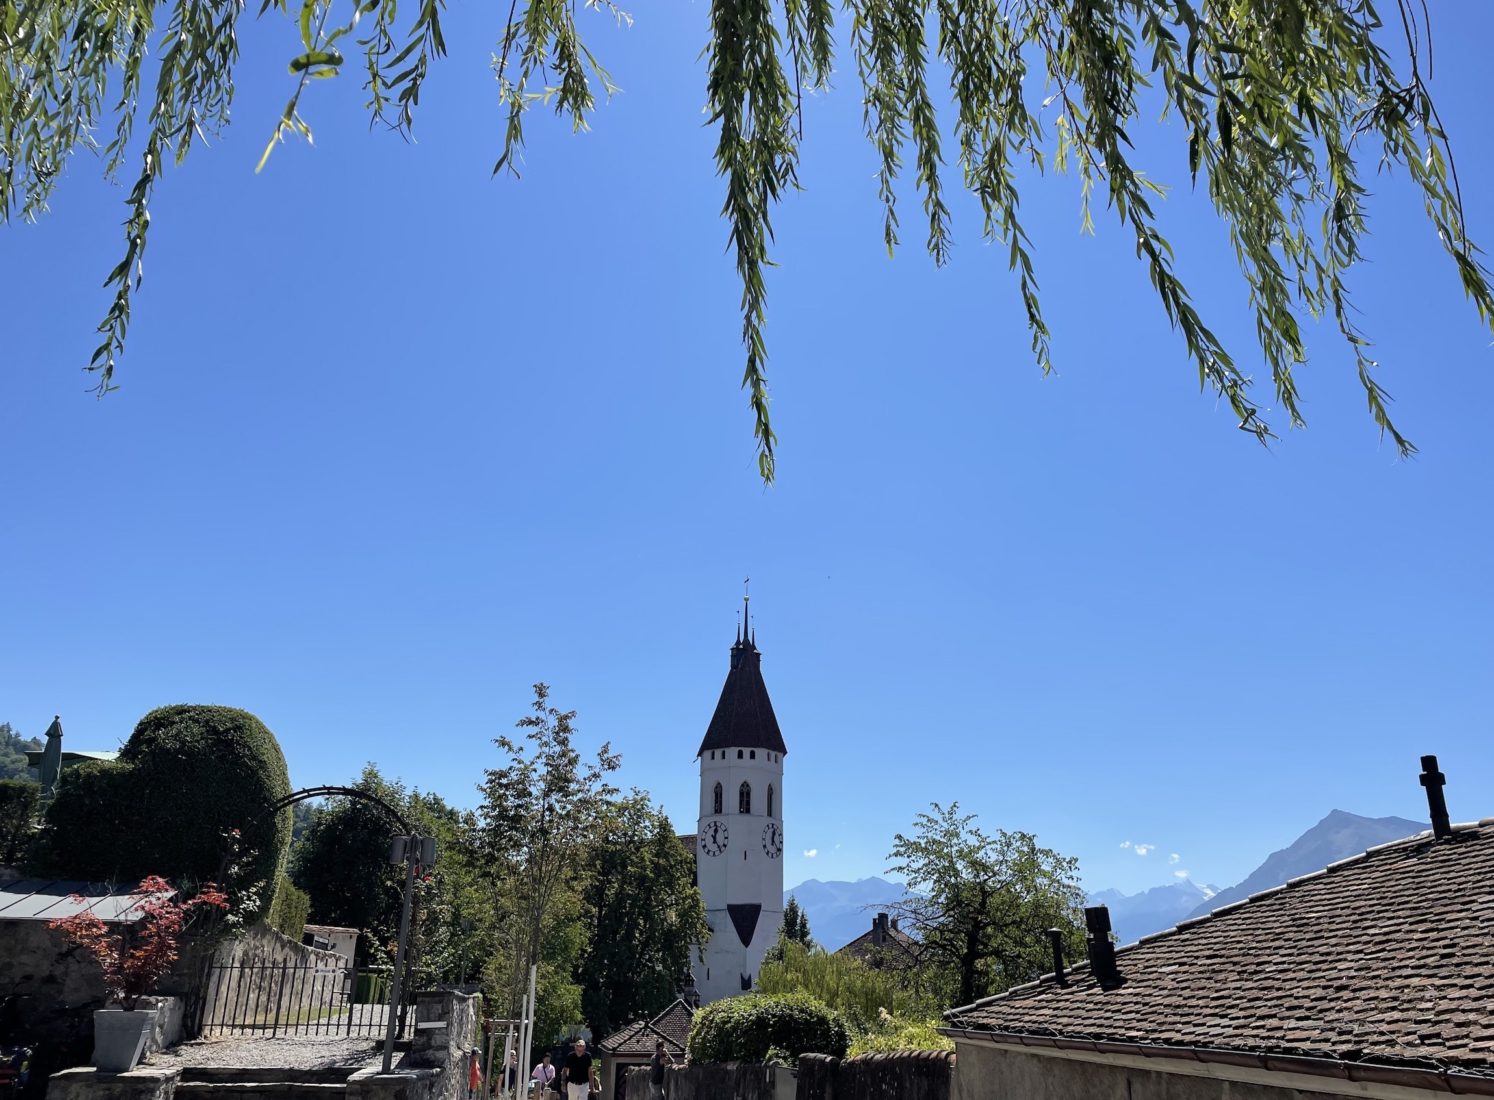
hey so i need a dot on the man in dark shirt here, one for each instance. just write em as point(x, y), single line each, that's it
point(577, 1071)
point(656, 1066)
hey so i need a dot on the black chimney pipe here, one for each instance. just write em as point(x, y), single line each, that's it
point(1055, 940)
point(1101, 947)
point(1433, 780)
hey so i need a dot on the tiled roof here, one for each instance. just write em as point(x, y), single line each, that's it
point(1385, 957)
point(672, 1026)
point(689, 840)
point(898, 951)
point(744, 716)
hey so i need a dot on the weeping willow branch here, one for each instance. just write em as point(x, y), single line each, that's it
point(1279, 106)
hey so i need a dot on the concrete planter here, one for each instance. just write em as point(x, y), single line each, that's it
point(119, 1037)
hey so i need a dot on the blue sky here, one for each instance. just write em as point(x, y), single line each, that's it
point(396, 440)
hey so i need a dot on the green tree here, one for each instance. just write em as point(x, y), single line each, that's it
point(20, 804)
point(794, 929)
point(342, 863)
point(796, 924)
point(981, 905)
point(642, 914)
point(13, 753)
point(541, 809)
point(1278, 109)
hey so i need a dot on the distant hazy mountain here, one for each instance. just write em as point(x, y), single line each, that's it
point(840, 911)
point(1337, 836)
point(1135, 915)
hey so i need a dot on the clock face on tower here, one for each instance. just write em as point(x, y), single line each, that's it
point(772, 840)
point(713, 838)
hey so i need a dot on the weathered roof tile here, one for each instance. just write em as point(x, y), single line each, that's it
point(1383, 957)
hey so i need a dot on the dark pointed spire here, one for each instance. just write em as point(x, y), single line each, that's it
point(744, 717)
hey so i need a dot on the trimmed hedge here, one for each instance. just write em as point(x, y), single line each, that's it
point(289, 909)
point(19, 801)
point(185, 779)
point(760, 1027)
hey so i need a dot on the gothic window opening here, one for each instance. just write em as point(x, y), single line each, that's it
point(744, 798)
point(752, 753)
point(770, 800)
point(716, 800)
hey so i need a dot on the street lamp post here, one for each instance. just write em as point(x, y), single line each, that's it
point(411, 851)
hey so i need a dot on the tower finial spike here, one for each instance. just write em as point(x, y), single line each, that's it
point(746, 609)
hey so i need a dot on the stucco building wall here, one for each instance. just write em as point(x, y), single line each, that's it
point(988, 1072)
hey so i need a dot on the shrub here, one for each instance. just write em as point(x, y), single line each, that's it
point(893, 1033)
point(19, 801)
point(288, 910)
point(187, 777)
point(750, 1028)
point(136, 956)
point(857, 991)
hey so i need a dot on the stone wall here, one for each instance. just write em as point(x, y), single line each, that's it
point(988, 1072)
point(259, 976)
point(436, 1065)
point(48, 990)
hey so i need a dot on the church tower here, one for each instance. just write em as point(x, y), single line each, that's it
point(739, 838)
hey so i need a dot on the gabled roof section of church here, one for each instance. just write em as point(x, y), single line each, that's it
point(744, 716)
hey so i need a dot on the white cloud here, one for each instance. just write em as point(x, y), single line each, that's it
point(1180, 874)
point(1143, 849)
point(1125, 844)
point(810, 853)
point(1174, 858)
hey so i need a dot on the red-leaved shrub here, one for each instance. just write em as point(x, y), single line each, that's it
point(135, 956)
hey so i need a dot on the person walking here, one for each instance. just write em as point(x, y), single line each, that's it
point(656, 1066)
point(578, 1072)
point(474, 1074)
point(543, 1075)
point(511, 1073)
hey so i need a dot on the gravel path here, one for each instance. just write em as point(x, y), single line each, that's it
point(291, 1052)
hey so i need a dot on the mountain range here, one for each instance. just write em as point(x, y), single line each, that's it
point(1337, 836)
point(1135, 915)
point(838, 912)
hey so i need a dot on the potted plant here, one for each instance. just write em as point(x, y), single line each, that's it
point(134, 953)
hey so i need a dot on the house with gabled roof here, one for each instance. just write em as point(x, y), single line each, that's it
point(634, 1045)
point(1372, 978)
point(884, 946)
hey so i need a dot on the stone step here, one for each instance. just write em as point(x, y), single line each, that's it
point(251, 1075)
point(262, 1089)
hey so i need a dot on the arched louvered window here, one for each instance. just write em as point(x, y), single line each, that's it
point(716, 800)
point(744, 798)
point(770, 800)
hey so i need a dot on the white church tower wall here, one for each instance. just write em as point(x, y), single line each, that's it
point(740, 835)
